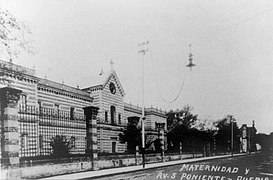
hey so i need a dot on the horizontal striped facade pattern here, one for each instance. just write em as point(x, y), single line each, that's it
point(10, 111)
point(108, 131)
point(58, 97)
point(45, 124)
point(66, 104)
point(33, 130)
point(43, 96)
point(25, 88)
point(107, 128)
point(12, 117)
point(93, 123)
point(9, 126)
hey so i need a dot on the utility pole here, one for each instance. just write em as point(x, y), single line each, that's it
point(249, 147)
point(143, 52)
point(231, 122)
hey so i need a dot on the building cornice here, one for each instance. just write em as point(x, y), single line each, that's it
point(147, 111)
point(18, 76)
point(78, 94)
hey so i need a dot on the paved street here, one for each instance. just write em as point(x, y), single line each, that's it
point(251, 167)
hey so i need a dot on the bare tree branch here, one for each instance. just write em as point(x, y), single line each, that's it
point(14, 36)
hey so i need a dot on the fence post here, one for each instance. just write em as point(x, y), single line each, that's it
point(10, 135)
point(162, 143)
point(137, 155)
point(137, 150)
point(180, 150)
point(90, 113)
point(209, 149)
point(160, 128)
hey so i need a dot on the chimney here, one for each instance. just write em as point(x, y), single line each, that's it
point(101, 72)
point(46, 80)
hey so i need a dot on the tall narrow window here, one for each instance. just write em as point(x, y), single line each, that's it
point(40, 141)
point(114, 147)
point(113, 114)
point(40, 107)
point(106, 116)
point(72, 113)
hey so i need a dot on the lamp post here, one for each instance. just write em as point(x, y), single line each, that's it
point(143, 52)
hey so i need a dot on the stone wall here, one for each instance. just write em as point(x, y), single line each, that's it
point(55, 169)
point(86, 164)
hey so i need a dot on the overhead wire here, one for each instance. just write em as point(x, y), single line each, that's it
point(248, 19)
point(236, 23)
point(156, 82)
point(184, 79)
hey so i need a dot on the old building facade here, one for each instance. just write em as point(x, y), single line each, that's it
point(248, 138)
point(47, 109)
point(114, 113)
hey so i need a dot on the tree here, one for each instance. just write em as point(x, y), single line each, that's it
point(223, 136)
point(14, 36)
point(158, 145)
point(179, 124)
point(178, 117)
point(206, 130)
point(60, 146)
point(132, 135)
point(266, 142)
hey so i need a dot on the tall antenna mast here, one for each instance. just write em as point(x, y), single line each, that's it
point(143, 51)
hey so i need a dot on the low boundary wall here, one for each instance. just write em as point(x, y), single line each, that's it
point(72, 165)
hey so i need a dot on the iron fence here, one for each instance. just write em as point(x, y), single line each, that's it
point(39, 125)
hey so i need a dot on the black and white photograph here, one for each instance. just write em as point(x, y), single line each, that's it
point(136, 89)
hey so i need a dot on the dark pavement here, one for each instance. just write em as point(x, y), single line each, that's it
point(250, 167)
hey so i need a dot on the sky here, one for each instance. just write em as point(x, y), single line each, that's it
point(232, 44)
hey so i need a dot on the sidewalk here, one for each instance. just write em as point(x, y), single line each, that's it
point(121, 170)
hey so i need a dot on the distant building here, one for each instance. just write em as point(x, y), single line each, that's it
point(248, 138)
point(47, 109)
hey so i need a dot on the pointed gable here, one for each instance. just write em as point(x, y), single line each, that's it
point(103, 79)
point(112, 76)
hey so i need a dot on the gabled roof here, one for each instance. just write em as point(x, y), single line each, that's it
point(103, 79)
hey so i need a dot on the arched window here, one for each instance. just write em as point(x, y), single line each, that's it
point(113, 114)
